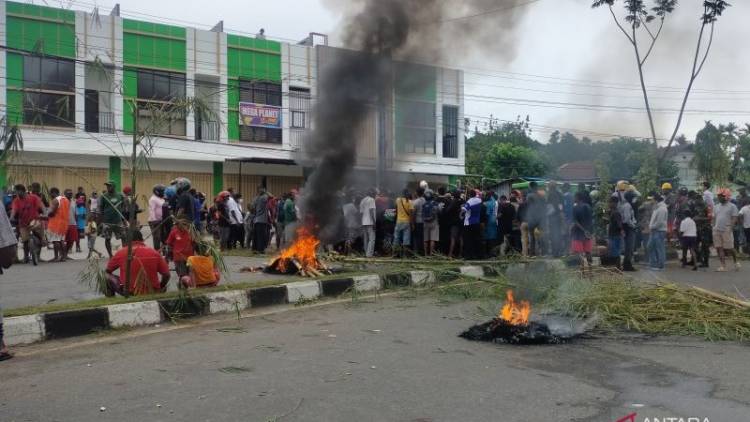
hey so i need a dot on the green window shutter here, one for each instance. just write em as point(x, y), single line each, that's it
point(128, 122)
point(233, 125)
point(15, 106)
point(14, 72)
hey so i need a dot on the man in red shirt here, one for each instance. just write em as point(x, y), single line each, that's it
point(145, 268)
point(181, 243)
point(25, 208)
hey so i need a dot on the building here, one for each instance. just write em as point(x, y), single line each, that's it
point(71, 80)
point(682, 156)
point(577, 172)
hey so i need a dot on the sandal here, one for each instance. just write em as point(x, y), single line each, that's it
point(5, 356)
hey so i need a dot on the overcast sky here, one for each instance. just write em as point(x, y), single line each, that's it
point(568, 57)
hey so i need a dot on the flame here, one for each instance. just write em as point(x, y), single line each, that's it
point(515, 313)
point(302, 250)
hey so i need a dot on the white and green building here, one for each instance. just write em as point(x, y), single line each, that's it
point(68, 79)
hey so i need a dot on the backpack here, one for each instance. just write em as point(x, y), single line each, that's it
point(429, 211)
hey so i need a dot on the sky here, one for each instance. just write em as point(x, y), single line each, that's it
point(570, 67)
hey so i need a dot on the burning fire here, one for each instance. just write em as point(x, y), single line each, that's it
point(515, 313)
point(301, 255)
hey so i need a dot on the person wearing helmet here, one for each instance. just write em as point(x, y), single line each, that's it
point(725, 218)
point(185, 206)
point(156, 215)
point(669, 200)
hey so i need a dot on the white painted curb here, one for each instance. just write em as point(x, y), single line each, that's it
point(368, 283)
point(472, 271)
point(228, 301)
point(302, 290)
point(421, 278)
point(24, 329)
point(134, 314)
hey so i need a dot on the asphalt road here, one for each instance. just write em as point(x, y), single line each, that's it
point(392, 360)
point(54, 282)
point(25, 285)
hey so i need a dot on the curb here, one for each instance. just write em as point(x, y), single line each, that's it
point(29, 329)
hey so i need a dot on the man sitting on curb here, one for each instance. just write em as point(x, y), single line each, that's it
point(146, 266)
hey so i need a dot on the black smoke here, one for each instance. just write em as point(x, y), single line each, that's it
point(376, 32)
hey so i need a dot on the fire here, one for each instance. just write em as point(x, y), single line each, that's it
point(515, 313)
point(302, 250)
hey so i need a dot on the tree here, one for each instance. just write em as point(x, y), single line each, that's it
point(638, 19)
point(479, 146)
point(711, 156)
point(505, 160)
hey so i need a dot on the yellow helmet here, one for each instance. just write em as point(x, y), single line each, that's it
point(622, 185)
point(666, 186)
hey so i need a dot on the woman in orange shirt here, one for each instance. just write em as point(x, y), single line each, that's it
point(57, 227)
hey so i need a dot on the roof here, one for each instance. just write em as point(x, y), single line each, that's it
point(577, 171)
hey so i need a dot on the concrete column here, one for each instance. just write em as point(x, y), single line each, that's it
point(218, 177)
point(115, 171)
point(117, 102)
point(80, 73)
point(439, 100)
point(221, 39)
point(285, 77)
point(190, 76)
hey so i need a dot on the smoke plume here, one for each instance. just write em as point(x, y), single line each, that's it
point(381, 31)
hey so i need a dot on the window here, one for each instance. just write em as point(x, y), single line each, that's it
point(299, 107)
point(49, 109)
point(416, 127)
point(48, 73)
point(49, 91)
point(450, 131)
point(260, 134)
point(260, 93)
point(159, 119)
point(156, 90)
point(298, 119)
point(160, 86)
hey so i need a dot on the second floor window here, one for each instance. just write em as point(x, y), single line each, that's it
point(260, 93)
point(157, 91)
point(49, 91)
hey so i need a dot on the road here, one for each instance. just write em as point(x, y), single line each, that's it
point(25, 285)
point(391, 360)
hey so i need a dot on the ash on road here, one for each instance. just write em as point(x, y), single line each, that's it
point(392, 360)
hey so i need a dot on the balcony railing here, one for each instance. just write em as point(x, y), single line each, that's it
point(102, 122)
point(207, 131)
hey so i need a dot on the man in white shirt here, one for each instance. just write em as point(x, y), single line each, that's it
point(367, 211)
point(236, 222)
point(725, 218)
point(708, 196)
point(689, 240)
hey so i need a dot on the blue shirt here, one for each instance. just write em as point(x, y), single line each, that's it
point(473, 209)
point(81, 216)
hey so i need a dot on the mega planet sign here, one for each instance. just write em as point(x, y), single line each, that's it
point(260, 115)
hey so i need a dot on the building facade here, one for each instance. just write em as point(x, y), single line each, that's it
point(78, 83)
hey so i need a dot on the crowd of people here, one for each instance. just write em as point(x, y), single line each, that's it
point(552, 220)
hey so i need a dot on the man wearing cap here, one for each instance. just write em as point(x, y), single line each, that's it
point(725, 218)
point(110, 215)
point(669, 200)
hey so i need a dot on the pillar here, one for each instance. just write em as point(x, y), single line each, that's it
point(218, 177)
point(115, 171)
